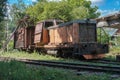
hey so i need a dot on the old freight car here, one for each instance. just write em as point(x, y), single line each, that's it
point(24, 36)
point(77, 37)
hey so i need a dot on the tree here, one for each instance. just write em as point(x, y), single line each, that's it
point(64, 9)
point(14, 13)
point(3, 9)
point(17, 12)
point(84, 9)
point(80, 13)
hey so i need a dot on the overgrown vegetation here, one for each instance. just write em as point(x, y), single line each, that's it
point(114, 50)
point(36, 56)
point(64, 9)
point(102, 36)
point(18, 71)
point(3, 20)
point(26, 55)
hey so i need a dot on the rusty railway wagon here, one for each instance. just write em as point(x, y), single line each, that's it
point(78, 37)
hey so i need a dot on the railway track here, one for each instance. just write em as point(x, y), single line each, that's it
point(104, 61)
point(74, 66)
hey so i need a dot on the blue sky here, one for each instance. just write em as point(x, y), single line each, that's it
point(106, 7)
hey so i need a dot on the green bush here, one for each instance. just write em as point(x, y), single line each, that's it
point(102, 37)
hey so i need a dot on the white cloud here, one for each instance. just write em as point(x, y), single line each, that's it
point(34, 0)
point(107, 12)
point(96, 1)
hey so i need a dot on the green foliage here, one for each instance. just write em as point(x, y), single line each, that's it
point(10, 45)
point(3, 14)
point(79, 13)
point(65, 9)
point(102, 36)
point(2, 32)
point(114, 50)
point(18, 10)
point(115, 41)
point(2, 9)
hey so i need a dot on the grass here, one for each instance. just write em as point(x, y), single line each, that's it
point(18, 71)
point(36, 56)
point(26, 55)
point(115, 50)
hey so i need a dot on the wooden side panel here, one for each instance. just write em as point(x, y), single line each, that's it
point(76, 33)
point(64, 34)
point(37, 38)
point(52, 36)
point(45, 36)
point(30, 33)
point(38, 28)
point(24, 37)
point(57, 38)
point(38, 33)
point(60, 35)
point(70, 33)
point(20, 38)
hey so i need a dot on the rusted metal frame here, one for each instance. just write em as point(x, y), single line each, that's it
point(25, 38)
point(25, 24)
point(30, 36)
point(100, 36)
point(87, 36)
point(66, 33)
point(77, 48)
point(41, 38)
point(87, 31)
point(87, 50)
point(58, 47)
point(95, 33)
point(79, 32)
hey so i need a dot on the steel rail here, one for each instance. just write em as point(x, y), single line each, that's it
point(75, 66)
point(104, 61)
